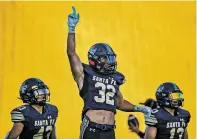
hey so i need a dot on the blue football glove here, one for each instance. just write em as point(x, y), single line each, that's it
point(146, 110)
point(73, 19)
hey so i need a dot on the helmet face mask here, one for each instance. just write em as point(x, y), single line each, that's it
point(34, 92)
point(102, 58)
point(176, 99)
point(41, 96)
point(169, 95)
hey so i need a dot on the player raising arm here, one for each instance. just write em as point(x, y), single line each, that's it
point(98, 85)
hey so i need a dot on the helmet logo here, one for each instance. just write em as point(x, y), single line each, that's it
point(175, 86)
point(160, 89)
point(93, 50)
point(24, 88)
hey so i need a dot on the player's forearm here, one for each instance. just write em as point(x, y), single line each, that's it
point(186, 135)
point(149, 136)
point(11, 136)
point(53, 134)
point(150, 132)
point(126, 106)
point(71, 44)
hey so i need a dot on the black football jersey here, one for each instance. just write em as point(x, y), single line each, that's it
point(99, 91)
point(36, 125)
point(168, 126)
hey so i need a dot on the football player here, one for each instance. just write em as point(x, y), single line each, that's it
point(36, 118)
point(98, 85)
point(169, 121)
point(133, 121)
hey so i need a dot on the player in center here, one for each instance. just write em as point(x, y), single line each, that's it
point(98, 85)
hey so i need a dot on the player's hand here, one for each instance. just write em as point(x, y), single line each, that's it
point(73, 19)
point(133, 128)
point(146, 110)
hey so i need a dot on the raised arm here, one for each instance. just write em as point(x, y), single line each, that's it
point(75, 63)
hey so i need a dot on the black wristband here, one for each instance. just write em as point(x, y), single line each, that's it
point(141, 134)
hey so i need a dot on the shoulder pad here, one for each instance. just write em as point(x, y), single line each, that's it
point(120, 78)
point(18, 114)
point(86, 68)
point(152, 119)
point(53, 108)
point(185, 114)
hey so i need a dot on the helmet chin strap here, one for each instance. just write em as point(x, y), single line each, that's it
point(41, 103)
point(38, 103)
point(174, 105)
point(170, 105)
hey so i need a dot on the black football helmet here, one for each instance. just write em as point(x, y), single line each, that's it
point(31, 89)
point(102, 58)
point(169, 95)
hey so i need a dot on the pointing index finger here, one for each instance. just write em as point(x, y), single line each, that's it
point(74, 10)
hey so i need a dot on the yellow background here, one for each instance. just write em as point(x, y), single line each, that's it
point(154, 42)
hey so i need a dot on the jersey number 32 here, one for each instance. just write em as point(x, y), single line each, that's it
point(104, 95)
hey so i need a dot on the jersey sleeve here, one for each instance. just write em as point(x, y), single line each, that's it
point(17, 115)
point(151, 120)
point(185, 115)
point(86, 68)
point(55, 111)
point(120, 78)
point(188, 116)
